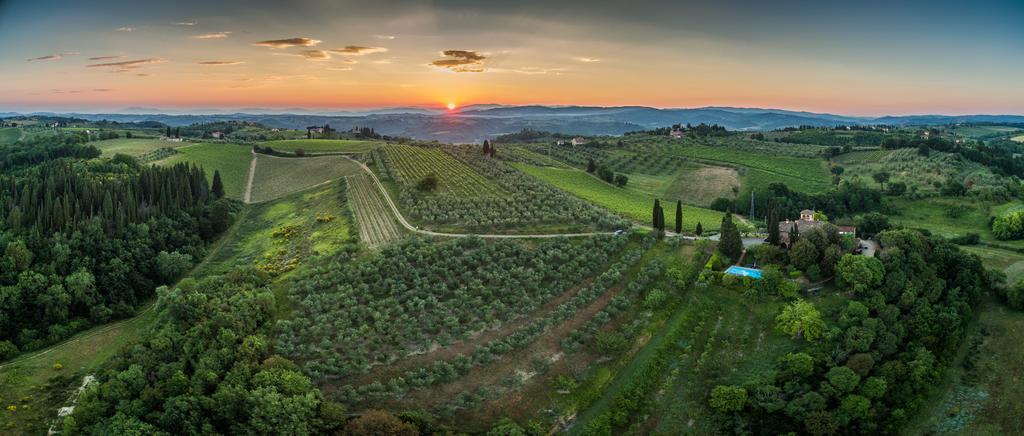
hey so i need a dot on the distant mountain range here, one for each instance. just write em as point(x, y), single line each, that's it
point(477, 122)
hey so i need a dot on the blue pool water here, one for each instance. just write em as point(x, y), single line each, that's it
point(744, 272)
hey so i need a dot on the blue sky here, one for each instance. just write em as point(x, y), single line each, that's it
point(864, 58)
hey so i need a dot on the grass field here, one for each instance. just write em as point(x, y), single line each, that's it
point(281, 236)
point(1019, 138)
point(988, 399)
point(323, 145)
point(231, 160)
point(801, 174)
point(952, 217)
point(280, 176)
point(377, 224)
point(628, 203)
point(133, 147)
point(37, 389)
point(9, 135)
point(984, 131)
point(409, 165)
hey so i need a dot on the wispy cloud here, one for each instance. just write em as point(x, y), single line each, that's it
point(539, 71)
point(103, 58)
point(102, 90)
point(356, 50)
point(127, 66)
point(125, 29)
point(587, 60)
point(213, 35)
point(339, 68)
point(288, 42)
point(53, 57)
point(185, 23)
point(221, 63)
point(384, 37)
point(461, 61)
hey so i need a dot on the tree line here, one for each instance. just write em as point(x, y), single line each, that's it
point(86, 241)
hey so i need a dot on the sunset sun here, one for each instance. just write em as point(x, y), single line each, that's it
point(451, 106)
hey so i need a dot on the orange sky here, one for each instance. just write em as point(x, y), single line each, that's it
point(325, 55)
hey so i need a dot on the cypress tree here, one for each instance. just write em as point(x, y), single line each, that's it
point(218, 185)
point(679, 217)
point(655, 213)
point(699, 229)
point(730, 243)
point(794, 234)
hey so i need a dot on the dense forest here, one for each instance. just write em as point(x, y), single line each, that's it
point(86, 240)
point(868, 369)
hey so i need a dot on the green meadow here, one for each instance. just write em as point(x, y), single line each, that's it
point(323, 145)
point(631, 204)
point(134, 146)
point(230, 159)
point(279, 176)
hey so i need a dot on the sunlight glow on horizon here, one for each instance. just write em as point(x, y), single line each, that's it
point(320, 55)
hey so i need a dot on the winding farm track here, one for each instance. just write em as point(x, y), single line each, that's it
point(247, 197)
point(394, 209)
point(405, 223)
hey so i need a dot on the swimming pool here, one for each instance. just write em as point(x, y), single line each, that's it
point(744, 272)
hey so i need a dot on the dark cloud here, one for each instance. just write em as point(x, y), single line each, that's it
point(356, 50)
point(221, 63)
point(53, 57)
point(102, 90)
point(315, 55)
point(288, 42)
point(126, 66)
point(103, 58)
point(461, 61)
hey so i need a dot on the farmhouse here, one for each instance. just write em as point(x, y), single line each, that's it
point(217, 135)
point(806, 223)
point(579, 140)
point(677, 133)
point(315, 129)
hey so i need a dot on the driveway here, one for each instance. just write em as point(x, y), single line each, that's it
point(870, 247)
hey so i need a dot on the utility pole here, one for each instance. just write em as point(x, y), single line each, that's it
point(752, 205)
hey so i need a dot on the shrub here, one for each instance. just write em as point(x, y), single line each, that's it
point(7, 350)
point(610, 343)
point(654, 298)
point(727, 399)
point(428, 183)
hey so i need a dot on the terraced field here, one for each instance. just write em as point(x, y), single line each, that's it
point(231, 160)
point(408, 165)
point(376, 221)
point(323, 145)
point(280, 176)
point(631, 204)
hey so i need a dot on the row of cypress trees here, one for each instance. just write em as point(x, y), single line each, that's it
point(58, 195)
